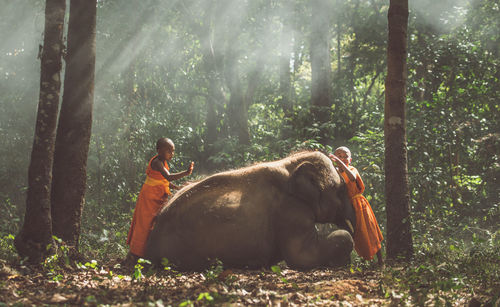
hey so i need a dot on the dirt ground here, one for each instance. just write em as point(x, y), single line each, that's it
point(93, 285)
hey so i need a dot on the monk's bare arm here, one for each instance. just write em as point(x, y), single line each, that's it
point(159, 166)
point(343, 167)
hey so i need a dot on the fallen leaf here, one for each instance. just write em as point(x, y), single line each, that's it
point(58, 298)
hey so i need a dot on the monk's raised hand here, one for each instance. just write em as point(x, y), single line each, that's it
point(190, 169)
point(334, 159)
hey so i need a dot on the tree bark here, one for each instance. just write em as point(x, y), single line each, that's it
point(286, 42)
point(75, 120)
point(36, 233)
point(399, 238)
point(240, 100)
point(210, 38)
point(320, 61)
point(236, 109)
point(130, 109)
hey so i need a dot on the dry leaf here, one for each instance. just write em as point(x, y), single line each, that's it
point(58, 298)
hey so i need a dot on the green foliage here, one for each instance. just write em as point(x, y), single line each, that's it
point(212, 273)
point(205, 297)
point(138, 267)
point(10, 216)
point(91, 299)
point(276, 269)
point(55, 263)
point(186, 303)
point(104, 233)
point(88, 265)
point(445, 271)
point(165, 264)
point(7, 249)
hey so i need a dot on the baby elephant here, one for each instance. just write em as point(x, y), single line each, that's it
point(257, 216)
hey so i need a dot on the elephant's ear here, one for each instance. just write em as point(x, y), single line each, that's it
point(304, 183)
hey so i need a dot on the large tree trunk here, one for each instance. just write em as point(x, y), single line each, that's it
point(36, 232)
point(320, 61)
point(399, 239)
point(73, 130)
point(210, 37)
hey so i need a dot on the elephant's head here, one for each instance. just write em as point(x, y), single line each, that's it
point(317, 183)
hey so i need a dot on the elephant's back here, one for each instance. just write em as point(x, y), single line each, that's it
point(227, 193)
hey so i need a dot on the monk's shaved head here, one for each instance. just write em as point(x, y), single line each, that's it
point(165, 143)
point(344, 149)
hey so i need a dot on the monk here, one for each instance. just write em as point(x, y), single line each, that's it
point(367, 235)
point(153, 196)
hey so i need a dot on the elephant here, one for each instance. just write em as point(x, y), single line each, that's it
point(257, 216)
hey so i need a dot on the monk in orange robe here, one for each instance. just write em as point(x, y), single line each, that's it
point(153, 196)
point(367, 235)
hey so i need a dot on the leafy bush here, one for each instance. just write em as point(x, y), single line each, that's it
point(7, 249)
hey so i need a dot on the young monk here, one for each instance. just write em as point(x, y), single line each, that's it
point(153, 195)
point(367, 235)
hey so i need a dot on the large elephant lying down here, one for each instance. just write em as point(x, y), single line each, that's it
point(257, 216)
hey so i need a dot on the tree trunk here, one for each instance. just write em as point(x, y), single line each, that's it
point(320, 61)
point(236, 109)
point(36, 233)
point(399, 238)
point(285, 84)
point(286, 41)
point(127, 156)
point(75, 120)
point(238, 119)
point(209, 36)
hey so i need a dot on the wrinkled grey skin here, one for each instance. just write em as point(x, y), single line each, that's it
point(257, 216)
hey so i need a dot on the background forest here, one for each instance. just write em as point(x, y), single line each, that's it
point(230, 83)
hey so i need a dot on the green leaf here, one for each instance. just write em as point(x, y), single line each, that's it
point(205, 295)
point(186, 303)
point(276, 269)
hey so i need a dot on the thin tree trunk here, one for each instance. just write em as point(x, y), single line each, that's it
point(399, 238)
point(367, 93)
point(339, 39)
point(100, 162)
point(130, 109)
point(453, 153)
point(285, 84)
point(238, 119)
point(284, 60)
point(74, 127)
point(36, 233)
point(320, 60)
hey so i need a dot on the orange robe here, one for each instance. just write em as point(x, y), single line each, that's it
point(367, 235)
point(153, 195)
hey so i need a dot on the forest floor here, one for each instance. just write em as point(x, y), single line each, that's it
point(94, 284)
